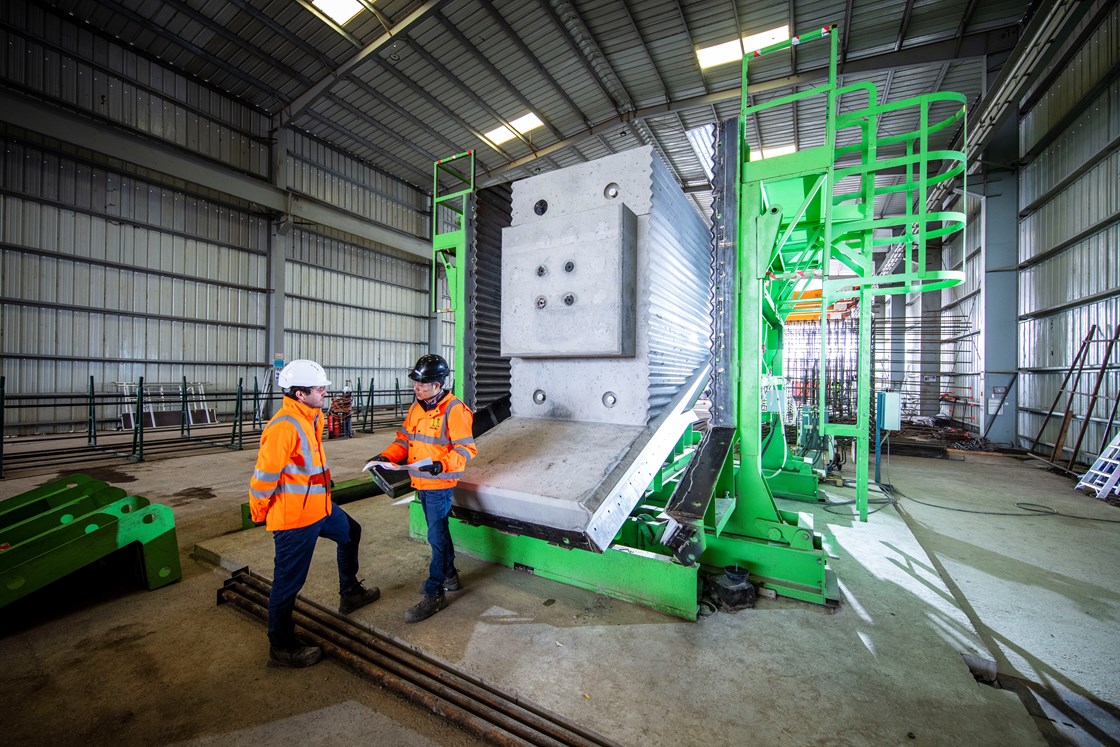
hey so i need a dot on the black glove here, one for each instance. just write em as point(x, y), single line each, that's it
point(433, 469)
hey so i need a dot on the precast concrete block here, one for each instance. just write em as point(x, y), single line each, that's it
point(621, 178)
point(569, 285)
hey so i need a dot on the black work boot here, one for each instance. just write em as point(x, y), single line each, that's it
point(357, 596)
point(451, 583)
point(425, 609)
point(294, 656)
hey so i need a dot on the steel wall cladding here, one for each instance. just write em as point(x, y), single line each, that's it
point(963, 360)
point(107, 275)
point(1068, 238)
point(1089, 66)
point(362, 313)
point(1085, 205)
point(673, 312)
point(322, 172)
point(1087, 138)
point(67, 63)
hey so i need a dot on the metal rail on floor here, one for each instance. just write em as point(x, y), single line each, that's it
point(466, 701)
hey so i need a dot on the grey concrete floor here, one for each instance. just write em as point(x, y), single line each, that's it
point(100, 662)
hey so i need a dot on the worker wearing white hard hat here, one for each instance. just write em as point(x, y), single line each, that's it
point(290, 491)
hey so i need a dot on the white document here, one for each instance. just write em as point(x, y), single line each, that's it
point(412, 468)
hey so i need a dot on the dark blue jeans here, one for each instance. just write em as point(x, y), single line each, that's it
point(437, 507)
point(294, 548)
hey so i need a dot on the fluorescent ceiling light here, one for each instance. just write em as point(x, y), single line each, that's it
point(520, 125)
point(340, 11)
point(781, 150)
point(736, 49)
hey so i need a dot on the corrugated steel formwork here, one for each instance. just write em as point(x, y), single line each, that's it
point(111, 276)
point(360, 311)
point(1068, 243)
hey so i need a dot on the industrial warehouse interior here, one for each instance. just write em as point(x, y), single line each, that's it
point(788, 334)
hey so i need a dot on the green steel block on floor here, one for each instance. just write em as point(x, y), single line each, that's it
point(630, 575)
point(57, 528)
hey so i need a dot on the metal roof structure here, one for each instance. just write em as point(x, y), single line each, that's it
point(405, 82)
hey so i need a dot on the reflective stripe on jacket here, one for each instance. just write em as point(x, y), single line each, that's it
point(443, 433)
point(290, 486)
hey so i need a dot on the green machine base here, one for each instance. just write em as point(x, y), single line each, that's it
point(57, 528)
point(797, 485)
point(631, 575)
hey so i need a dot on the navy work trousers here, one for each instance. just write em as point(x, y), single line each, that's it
point(294, 548)
point(437, 507)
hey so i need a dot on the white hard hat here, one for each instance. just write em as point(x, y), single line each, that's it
point(303, 373)
point(346, 390)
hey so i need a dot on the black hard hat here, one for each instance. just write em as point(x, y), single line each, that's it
point(430, 368)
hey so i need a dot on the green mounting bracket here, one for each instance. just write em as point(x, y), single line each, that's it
point(57, 528)
point(449, 245)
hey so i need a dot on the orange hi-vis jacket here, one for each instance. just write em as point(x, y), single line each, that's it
point(291, 484)
point(443, 433)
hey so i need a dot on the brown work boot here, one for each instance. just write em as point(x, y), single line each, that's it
point(425, 609)
point(296, 656)
point(356, 597)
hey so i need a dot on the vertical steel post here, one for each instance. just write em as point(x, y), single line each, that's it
point(185, 417)
point(138, 424)
point(91, 423)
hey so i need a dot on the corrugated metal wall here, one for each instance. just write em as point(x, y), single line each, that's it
point(320, 171)
point(962, 346)
point(107, 275)
point(361, 312)
point(117, 272)
point(1069, 239)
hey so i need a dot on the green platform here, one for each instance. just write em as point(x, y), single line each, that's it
point(57, 528)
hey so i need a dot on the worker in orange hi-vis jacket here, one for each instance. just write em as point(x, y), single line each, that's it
point(439, 428)
point(290, 491)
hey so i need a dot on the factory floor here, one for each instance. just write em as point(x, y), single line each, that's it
point(92, 660)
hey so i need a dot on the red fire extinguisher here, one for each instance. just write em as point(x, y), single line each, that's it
point(334, 426)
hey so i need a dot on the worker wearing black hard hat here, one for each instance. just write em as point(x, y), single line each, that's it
point(438, 427)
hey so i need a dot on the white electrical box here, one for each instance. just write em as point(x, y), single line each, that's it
point(889, 407)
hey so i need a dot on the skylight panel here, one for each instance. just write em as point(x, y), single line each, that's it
point(339, 11)
point(521, 125)
point(734, 50)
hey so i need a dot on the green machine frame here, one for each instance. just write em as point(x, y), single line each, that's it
point(449, 247)
point(781, 223)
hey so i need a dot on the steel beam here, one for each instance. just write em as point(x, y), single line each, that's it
point(312, 94)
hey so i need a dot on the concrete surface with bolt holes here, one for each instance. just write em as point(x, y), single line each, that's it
point(885, 668)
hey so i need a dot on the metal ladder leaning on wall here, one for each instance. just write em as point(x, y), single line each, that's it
point(1104, 476)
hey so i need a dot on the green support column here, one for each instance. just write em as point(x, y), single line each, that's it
point(449, 246)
